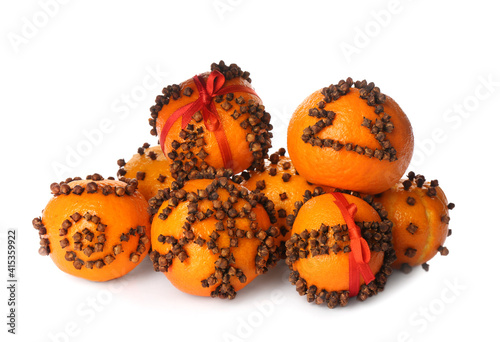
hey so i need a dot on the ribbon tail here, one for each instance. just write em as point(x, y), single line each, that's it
point(366, 254)
point(359, 257)
point(367, 273)
point(353, 276)
point(211, 117)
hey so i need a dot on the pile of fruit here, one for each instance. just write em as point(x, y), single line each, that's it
point(214, 209)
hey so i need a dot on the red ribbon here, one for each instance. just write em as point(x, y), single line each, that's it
point(360, 251)
point(213, 88)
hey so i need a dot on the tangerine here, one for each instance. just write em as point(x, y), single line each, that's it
point(212, 237)
point(95, 229)
point(419, 210)
point(353, 138)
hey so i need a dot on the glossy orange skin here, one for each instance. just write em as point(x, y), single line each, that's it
point(187, 275)
point(294, 189)
point(150, 185)
point(426, 214)
point(118, 213)
point(331, 271)
point(236, 136)
point(347, 169)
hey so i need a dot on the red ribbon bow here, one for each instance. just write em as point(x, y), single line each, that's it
point(360, 251)
point(213, 88)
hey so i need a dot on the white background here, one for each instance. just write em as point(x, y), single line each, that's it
point(77, 80)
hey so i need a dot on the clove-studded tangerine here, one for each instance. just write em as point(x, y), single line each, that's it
point(419, 210)
point(281, 183)
point(350, 136)
point(212, 237)
point(213, 120)
point(94, 228)
point(322, 251)
point(149, 167)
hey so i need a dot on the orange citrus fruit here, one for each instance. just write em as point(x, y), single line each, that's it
point(94, 228)
point(151, 169)
point(420, 213)
point(284, 186)
point(242, 118)
point(212, 237)
point(318, 251)
point(350, 138)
